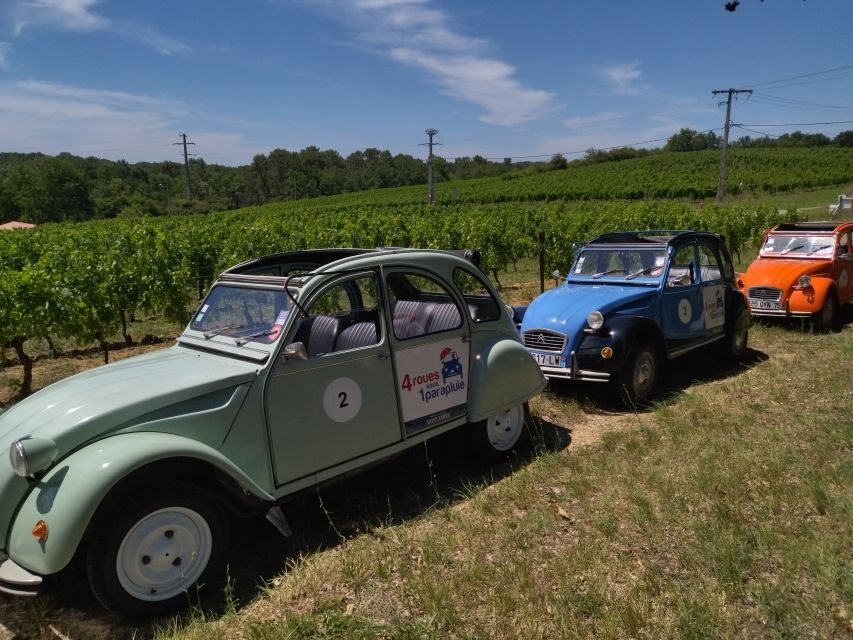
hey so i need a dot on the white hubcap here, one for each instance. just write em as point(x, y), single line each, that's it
point(164, 554)
point(504, 429)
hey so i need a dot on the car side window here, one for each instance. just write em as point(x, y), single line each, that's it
point(681, 268)
point(344, 316)
point(709, 265)
point(420, 306)
point(843, 244)
point(482, 305)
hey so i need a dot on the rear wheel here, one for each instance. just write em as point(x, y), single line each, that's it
point(638, 377)
point(501, 433)
point(146, 555)
point(827, 319)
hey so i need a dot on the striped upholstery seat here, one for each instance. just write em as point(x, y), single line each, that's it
point(359, 334)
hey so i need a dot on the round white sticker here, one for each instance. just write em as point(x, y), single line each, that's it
point(342, 399)
point(685, 311)
point(843, 279)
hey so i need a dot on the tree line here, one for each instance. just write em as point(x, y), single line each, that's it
point(39, 188)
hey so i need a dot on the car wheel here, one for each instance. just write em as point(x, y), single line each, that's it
point(145, 556)
point(734, 343)
point(827, 319)
point(638, 377)
point(501, 433)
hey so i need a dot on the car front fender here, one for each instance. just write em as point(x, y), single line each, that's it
point(503, 375)
point(67, 497)
point(818, 291)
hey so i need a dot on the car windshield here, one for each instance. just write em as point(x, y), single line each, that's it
point(623, 264)
point(798, 246)
point(243, 313)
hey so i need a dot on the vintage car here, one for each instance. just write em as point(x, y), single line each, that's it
point(296, 369)
point(633, 300)
point(803, 270)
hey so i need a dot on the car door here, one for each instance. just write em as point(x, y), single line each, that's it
point(842, 267)
point(682, 304)
point(713, 289)
point(431, 346)
point(339, 402)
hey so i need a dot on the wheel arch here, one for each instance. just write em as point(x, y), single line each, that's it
point(629, 331)
point(83, 486)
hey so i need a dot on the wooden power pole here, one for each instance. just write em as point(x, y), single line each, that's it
point(724, 157)
point(186, 163)
point(431, 133)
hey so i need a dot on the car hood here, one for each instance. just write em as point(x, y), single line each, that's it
point(781, 273)
point(114, 396)
point(564, 309)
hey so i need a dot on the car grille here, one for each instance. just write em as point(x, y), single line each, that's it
point(765, 293)
point(544, 340)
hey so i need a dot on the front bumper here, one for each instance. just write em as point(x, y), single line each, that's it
point(573, 372)
point(784, 312)
point(15, 580)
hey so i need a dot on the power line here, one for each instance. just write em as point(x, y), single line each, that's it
point(800, 77)
point(795, 124)
point(794, 101)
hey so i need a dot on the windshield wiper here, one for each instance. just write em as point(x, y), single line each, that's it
point(799, 246)
point(604, 273)
point(826, 246)
point(215, 332)
point(631, 276)
point(244, 339)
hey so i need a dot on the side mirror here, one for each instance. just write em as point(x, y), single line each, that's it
point(556, 274)
point(294, 351)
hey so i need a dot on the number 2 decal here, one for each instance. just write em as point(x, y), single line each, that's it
point(342, 399)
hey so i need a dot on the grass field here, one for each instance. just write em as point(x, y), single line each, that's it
point(723, 510)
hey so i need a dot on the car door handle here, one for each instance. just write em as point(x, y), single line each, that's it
point(466, 339)
point(382, 355)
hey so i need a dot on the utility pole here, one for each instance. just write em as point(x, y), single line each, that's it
point(721, 183)
point(186, 163)
point(430, 133)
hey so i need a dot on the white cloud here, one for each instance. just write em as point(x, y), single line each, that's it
point(67, 15)
point(79, 16)
point(416, 34)
point(602, 120)
point(5, 47)
point(623, 77)
point(51, 118)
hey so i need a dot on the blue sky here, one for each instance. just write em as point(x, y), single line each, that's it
point(500, 78)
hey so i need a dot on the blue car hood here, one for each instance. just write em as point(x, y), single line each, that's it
point(564, 309)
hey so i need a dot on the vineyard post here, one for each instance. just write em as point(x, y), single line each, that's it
point(541, 262)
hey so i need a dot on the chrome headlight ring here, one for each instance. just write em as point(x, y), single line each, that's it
point(595, 320)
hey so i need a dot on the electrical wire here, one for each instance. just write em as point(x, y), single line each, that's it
point(802, 76)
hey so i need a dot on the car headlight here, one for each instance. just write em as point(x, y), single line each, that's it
point(595, 320)
point(31, 455)
point(805, 281)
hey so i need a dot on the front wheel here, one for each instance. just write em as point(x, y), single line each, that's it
point(145, 556)
point(638, 377)
point(501, 433)
point(734, 343)
point(827, 319)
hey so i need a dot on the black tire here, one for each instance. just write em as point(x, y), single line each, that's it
point(828, 318)
point(500, 434)
point(733, 345)
point(148, 555)
point(637, 380)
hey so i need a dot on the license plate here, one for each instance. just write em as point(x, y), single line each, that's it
point(547, 360)
point(765, 304)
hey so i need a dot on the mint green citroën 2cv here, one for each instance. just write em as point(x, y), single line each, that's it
point(297, 368)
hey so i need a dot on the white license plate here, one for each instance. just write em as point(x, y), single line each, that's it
point(764, 304)
point(547, 360)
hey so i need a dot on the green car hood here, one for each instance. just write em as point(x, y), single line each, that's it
point(119, 395)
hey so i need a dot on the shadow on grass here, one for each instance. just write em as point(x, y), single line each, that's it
point(698, 367)
point(437, 474)
point(845, 319)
